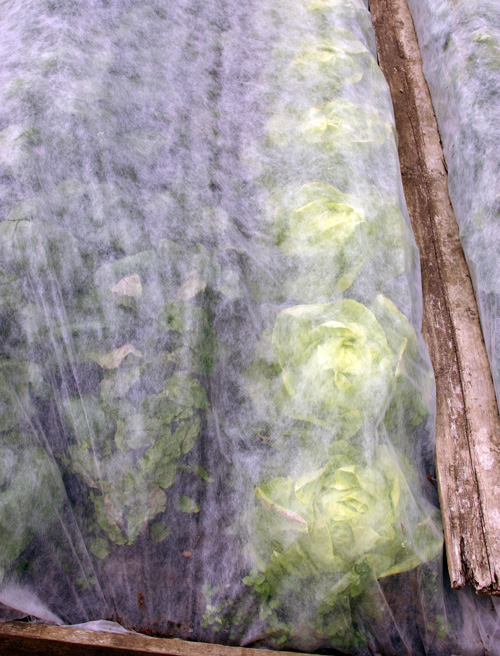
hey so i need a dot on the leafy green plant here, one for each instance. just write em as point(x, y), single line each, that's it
point(333, 364)
point(31, 495)
point(129, 460)
point(130, 437)
point(328, 535)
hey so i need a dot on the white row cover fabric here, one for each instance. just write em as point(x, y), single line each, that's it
point(460, 45)
point(216, 408)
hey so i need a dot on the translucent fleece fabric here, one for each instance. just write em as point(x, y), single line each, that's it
point(216, 408)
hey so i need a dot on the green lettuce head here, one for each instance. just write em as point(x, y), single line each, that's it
point(31, 495)
point(337, 124)
point(341, 367)
point(143, 415)
point(336, 364)
point(320, 541)
point(324, 235)
point(326, 238)
point(130, 459)
point(330, 65)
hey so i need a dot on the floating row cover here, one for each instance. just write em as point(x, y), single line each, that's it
point(460, 44)
point(216, 407)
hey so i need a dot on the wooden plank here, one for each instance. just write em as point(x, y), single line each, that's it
point(467, 424)
point(25, 638)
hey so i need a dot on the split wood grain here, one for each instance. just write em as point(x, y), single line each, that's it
point(467, 423)
point(19, 638)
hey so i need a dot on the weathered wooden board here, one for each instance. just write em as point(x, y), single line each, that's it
point(467, 427)
point(24, 638)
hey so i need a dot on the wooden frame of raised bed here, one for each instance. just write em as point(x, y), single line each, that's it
point(467, 422)
point(24, 638)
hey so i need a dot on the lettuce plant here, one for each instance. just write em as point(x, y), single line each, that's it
point(31, 495)
point(334, 365)
point(325, 238)
point(327, 536)
point(128, 439)
point(337, 124)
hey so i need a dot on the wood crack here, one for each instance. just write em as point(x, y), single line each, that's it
point(467, 423)
point(468, 570)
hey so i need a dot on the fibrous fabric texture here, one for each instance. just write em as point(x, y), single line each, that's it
point(460, 46)
point(217, 411)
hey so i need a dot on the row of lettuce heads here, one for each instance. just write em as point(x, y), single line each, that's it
point(342, 388)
